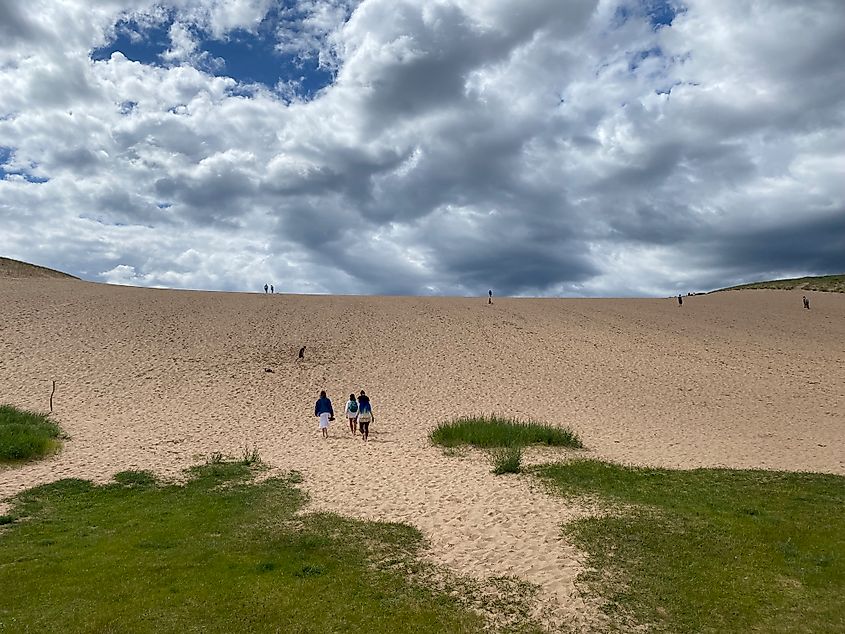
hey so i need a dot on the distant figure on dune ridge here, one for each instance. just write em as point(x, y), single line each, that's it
point(680, 300)
point(351, 413)
point(302, 352)
point(323, 410)
point(806, 302)
point(490, 297)
point(365, 415)
point(272, 290)
point(265, 289)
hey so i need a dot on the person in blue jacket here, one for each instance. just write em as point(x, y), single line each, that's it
point(323, 410)
point(365, 415)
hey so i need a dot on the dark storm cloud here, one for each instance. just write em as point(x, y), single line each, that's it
point(513, 267)
point(15, 23)
point(806, 244)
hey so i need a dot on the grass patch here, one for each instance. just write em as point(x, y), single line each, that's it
point(488, 432)
point(823, 283)
point(506, 459)
point(712, 550)
point(135, 478)
point(219, 553)
point(26, 435)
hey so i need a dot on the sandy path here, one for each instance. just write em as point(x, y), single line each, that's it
point(158, 379)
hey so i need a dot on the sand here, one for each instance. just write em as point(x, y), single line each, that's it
point(156, 379)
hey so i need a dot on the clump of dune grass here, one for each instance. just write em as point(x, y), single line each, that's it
point(507, 459)
point(250, 456)
point(25, 435)
point(487, 432)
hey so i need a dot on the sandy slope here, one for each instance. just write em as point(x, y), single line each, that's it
point(158, 379)
point(10, 268)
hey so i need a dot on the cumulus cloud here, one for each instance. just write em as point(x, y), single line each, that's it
point(590, 147)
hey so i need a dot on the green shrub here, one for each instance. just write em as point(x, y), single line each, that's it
point(25, 435)
point(507, 459)
point(250, 456)
point(487, 432)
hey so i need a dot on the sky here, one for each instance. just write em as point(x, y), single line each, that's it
point(572, 148)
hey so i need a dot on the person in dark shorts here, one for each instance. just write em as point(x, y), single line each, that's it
point(365, 415)
point(352, 414)
point(806, 302)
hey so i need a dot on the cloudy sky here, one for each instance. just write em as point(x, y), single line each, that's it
point(535, 147)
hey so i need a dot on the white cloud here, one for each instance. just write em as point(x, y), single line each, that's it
point(545, 147)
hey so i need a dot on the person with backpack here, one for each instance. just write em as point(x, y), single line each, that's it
point(352, 414)
point(365, 415)
point(323, 410)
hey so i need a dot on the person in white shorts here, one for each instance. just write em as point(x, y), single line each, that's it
point(323, 410)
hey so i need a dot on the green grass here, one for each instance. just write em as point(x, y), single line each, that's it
point(507, 459)
point(221, 553)
point(712, 550)
point(824, 283)
point(488, 432)
point(26, 435)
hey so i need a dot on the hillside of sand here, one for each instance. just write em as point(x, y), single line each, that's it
point(10, 268)
point(157, 379)
point(826, 283)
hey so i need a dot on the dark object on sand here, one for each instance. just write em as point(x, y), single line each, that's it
point(302, 352)
point(268, 369)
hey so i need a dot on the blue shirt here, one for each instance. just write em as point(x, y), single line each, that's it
point(323, 406)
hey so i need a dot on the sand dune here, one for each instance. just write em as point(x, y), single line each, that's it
point(153, 379)
point(23, 270)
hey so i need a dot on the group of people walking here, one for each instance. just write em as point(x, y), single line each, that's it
point(358, 411)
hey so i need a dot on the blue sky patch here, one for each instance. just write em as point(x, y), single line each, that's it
point(6, 155)
point(659, 13)
point(127, 107)
point(640, 56)
point(137, 43)
point(254, 59)
point(247, 57)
